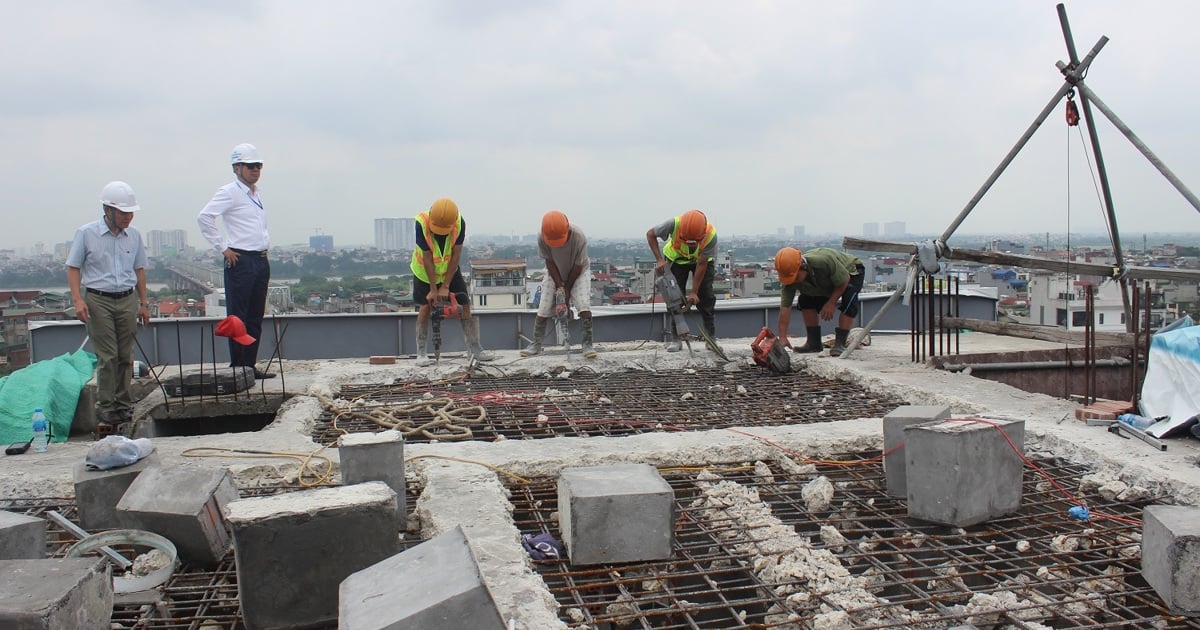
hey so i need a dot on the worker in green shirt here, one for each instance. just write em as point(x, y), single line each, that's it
point(826, 280)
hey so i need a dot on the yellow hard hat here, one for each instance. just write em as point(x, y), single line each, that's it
point(443, 216)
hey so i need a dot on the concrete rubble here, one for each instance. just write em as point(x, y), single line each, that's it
point(474, 497)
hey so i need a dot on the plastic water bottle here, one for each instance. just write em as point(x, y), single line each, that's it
point(40, 427)
point(1135, 421)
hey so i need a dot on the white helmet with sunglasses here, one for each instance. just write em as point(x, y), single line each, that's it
point(245, 153)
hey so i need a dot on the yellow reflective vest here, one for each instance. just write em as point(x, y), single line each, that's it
point(441, 255)
point(676, 250)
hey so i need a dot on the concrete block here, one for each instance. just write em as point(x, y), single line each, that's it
point(436, 584)
point(961, 473)
point(893, 435)
point(293, 550)
point(375, 457)
point(616, 513)
point(1171, 555)
point(186, 505)
point(21, 537)
point(97, 492)
point(56, 594)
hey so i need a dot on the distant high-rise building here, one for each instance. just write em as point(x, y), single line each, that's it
point(166, 242)
point(321, 242)
point(870, 230)
point(894, 229)
point(394, 234)
point(781, 232)
point(797, 232)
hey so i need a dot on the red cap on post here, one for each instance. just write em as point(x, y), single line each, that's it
point(233, 328)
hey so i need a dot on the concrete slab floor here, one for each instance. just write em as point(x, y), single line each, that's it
point(473, 496)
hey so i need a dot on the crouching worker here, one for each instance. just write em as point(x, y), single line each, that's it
point(440, 236)
point(568, 269)
point(826, 280)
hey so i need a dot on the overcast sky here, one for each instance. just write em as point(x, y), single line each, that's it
point(620, 113)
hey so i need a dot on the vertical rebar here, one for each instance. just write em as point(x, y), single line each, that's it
point(957, 311)
point(1089, 344)
point(912, 329)
point(1135, 351)
point(932, 321)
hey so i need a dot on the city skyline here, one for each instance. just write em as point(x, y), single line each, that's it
point(621, 114)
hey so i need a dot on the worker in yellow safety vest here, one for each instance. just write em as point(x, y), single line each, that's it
point(440, 233)
point(689, 245)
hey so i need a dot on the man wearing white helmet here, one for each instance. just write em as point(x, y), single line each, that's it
point(244, 249)
point(105, 267)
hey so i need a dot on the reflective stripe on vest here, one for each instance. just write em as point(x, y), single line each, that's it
point(441, 254)
point(676, 250)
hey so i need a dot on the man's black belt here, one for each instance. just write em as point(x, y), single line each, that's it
point(250, 252)
point(116, 295)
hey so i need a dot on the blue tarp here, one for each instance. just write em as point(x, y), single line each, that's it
point(53, 385)
point(1171, 388)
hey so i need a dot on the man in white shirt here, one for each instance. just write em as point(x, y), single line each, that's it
point(244, 248)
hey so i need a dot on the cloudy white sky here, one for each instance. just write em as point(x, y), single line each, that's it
point(621, 113)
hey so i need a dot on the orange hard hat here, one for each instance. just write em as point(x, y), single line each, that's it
point(443, 216)
point(555, 228)
point(787, 264)
point(692, 225)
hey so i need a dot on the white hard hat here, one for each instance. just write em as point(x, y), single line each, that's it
point(245, 153)
point(120, 196)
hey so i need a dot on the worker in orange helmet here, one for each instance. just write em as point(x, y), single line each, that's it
point(689, 245)
point(827, 280)
point(440, 234)
point(568, 270)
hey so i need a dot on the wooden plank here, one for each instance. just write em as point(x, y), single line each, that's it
point(1028, 262)
point(1033, 331)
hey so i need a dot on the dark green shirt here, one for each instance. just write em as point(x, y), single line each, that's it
point(828, 269)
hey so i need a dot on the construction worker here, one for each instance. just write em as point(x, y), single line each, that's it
point(568, 271)
point(244, 250)
point(105, 268)
point(826, 280)
point(441, 232)
point(690, 245)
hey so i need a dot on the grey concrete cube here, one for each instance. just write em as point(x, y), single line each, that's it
point(21, 537)
point(893, 435)
point(961, 473)
point(97, 492)
point(436, 584)
point(293, 550)
point(375, 457)
point(54, 594)
point(616, 513)
point(1171, 555)
point(186, 505)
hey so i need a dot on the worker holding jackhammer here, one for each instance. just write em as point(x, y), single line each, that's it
point(568, 269)
point(440, 234)
point(827, 281)
point(689, 247)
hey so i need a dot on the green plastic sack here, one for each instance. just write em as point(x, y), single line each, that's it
point(54, 385)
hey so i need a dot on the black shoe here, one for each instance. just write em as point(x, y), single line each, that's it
point(260, 375)
point(808, 347)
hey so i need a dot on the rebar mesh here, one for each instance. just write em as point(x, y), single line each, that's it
point(193, 598)
point(585, 404)
point(920, 575)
